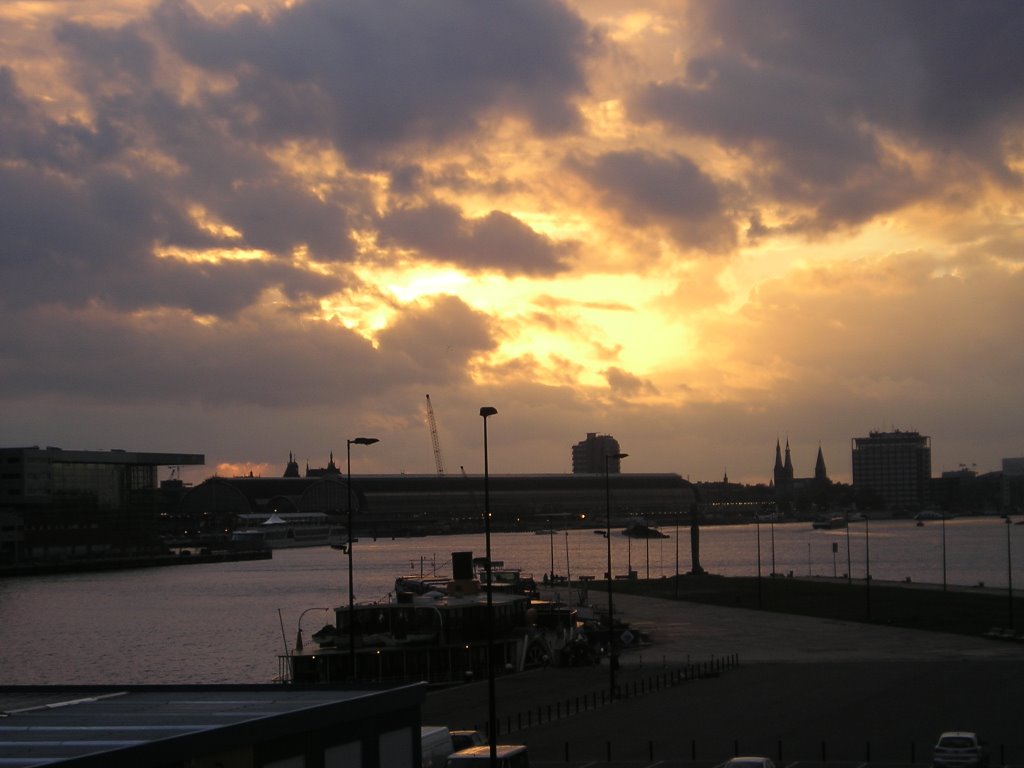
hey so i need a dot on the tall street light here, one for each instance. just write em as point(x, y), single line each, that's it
point(492, 709)
point(613, 658)
point(351, 587)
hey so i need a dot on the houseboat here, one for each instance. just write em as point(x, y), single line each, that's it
point(438, 633)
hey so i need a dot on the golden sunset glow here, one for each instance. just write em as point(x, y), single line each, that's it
point(693, 226)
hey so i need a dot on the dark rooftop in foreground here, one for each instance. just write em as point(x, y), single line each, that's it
point(143, 726)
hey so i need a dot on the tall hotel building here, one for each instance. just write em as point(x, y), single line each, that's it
point(589, 456)
point(894, 467)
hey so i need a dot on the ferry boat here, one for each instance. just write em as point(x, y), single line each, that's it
point(438, 633)
point(289, 529)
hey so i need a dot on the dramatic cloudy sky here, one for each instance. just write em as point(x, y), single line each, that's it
point(243, 229)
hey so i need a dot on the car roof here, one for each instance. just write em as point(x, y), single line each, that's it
point(484, 750)
point(968, 734)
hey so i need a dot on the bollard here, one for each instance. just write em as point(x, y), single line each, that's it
point(912, 757)
point(867, 751)
point(779, 745)
point(608, 751)
point(693, 749)
point(519, 721)
point(650, 750)
point(567, 751)
point(823, 758)
point(736, 748)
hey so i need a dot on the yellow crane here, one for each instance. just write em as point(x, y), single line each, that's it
point(438, 459)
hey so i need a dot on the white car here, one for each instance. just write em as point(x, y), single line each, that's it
point(959, 749)
point(749, 762)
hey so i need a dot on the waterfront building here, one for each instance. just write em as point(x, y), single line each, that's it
point(71, 503)
point(892, 470)
point(589, 456)
point(1012, 485)
point(401, 505)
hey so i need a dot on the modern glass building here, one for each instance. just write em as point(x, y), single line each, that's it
point(70, 503)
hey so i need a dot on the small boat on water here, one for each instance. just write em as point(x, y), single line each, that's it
point(640, 530)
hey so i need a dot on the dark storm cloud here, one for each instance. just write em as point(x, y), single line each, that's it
point(496, 241)
point(813, 91)
point(372, 75)
point(668, 191)
point(268, 358)
point(76, 243)
point(436, 341)
point(81, 209)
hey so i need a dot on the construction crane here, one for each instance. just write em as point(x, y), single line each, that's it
point(438, 459)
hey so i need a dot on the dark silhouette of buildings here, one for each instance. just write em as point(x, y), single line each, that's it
point(59, 504)
point(892, 470)
point(589, 456)
point(800, 493)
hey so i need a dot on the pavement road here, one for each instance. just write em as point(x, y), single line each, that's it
point(806, 692)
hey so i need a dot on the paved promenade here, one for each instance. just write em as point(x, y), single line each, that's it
point(813, 691)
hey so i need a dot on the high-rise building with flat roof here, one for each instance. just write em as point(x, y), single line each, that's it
point(891, 470)
point(588, 456)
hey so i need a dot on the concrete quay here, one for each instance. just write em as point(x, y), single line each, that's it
point(807, 690)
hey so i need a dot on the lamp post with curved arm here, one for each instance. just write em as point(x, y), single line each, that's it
point(351, 587)
point(613, 658)
point(492, 709)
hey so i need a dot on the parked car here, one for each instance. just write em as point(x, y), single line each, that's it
point(749, 761)
point(465, 739)
point(509, 756)
point(959, 749)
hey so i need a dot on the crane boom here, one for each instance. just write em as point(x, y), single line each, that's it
point(438, 459)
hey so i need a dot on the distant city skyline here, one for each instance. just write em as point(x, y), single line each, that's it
point(245, 229)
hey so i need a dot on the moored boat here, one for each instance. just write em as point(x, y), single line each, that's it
point(438, 633)
point(829, 522)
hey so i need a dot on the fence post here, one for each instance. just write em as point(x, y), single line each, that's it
point(823, 758)
point(867, 751)
point(736, 748)
point(650, 750)
point(608, 750)
point(780, 750)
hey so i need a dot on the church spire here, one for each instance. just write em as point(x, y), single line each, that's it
point(820, 473)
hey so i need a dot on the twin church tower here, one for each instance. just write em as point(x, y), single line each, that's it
point(788, 487)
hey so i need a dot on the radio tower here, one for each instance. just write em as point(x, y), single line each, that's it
point(438, 459)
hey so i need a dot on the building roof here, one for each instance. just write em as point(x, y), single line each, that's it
point(158, 725)
point(113, 456)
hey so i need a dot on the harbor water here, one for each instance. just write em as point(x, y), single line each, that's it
point(228, 622)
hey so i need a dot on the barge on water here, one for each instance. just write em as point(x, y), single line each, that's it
point(438, 633)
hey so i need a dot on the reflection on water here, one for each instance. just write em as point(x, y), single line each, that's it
point(221, 623)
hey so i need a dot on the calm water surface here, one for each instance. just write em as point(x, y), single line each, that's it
point(227, 622)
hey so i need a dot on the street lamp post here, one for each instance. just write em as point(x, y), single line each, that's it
point(613, 658)
point(757, 524)
point(1009, 572)
point(867, 568)
point(492, 709)
point(351, 586)
point(551, 542)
